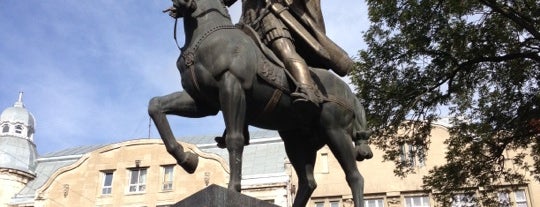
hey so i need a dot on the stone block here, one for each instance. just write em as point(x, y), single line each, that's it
point(217, 196)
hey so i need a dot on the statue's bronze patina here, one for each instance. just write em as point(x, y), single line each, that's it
point(231, 69)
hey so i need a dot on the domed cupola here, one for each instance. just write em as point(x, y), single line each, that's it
point(17, 138)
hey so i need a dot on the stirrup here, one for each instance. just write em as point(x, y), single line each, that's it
point(307, 93)
point(306, 99)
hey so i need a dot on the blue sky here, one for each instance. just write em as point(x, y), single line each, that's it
point(88, 68)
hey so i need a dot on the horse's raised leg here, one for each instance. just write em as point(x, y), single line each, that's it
point(302, 157)
point(339, 142)
point(178, 103)
point(233, 106)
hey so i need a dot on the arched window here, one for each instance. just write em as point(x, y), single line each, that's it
point(18, 129)
point(5, 128)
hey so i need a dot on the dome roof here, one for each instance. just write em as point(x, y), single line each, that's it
point(16, 138)
point(18, 114)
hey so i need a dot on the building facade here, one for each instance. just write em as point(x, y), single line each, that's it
point(140, 172)
point(383, 189)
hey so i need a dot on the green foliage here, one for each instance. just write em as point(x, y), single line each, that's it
point(477, 61)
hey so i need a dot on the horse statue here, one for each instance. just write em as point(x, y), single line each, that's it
point(223, 68)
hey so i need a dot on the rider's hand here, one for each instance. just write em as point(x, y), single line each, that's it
point(171, 11)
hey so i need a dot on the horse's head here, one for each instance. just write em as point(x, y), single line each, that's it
point(181, 8)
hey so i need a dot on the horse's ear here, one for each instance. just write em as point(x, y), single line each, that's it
point(191, 4)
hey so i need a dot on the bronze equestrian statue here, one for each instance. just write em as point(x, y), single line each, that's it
point(224, 68)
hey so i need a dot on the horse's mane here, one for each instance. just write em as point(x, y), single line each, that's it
point(223, 13)
point(222, 10)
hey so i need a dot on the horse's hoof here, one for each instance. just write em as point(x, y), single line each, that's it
point(363, 152)
point(220, 142)
point(190, 163)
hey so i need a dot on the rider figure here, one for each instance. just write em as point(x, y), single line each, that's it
point(275, 35)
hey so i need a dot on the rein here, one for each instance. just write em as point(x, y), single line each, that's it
point(174, 34)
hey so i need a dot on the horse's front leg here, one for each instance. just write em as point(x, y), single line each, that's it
point(233, 106)
point(178, 103)
point(336, 122)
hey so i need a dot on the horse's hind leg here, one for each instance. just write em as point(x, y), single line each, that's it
point(302, 156)
point(178, 103)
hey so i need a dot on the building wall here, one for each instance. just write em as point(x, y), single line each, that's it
point(81, 183)
point(11, 182)
point(381, 183)
point(273, 188)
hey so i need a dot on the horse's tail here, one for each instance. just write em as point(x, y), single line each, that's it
point(361, 133)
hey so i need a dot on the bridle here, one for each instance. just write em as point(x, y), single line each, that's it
point(191, 5)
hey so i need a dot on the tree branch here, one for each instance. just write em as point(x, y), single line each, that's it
point(466, 65)
point(514, 16)
point(507, 57)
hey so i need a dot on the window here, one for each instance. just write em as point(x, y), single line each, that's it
point(417, 201)
point(521, 198)
point(324, 163)
point(373, 203)
point(167, 177)
point(107, 183)
point(18, 129)
point(504, 199)
point(412, 155)
point(334, 203)
point(464, 200)
point(137, 181)
point(319, 204)
point(5, 128)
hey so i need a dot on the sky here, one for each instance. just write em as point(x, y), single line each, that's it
point(89, 68)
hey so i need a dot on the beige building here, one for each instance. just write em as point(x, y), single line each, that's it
point(383, 188)
point(140, 173)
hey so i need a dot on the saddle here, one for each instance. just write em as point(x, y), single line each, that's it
point(273, 70)
point(274, 73)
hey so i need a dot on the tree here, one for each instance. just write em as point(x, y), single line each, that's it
point(476, 61)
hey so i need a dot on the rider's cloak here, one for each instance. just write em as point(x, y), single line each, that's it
point(308, 13)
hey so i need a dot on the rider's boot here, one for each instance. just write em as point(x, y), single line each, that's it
point(307, 96)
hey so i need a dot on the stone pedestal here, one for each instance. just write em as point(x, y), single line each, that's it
point(217, 196)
